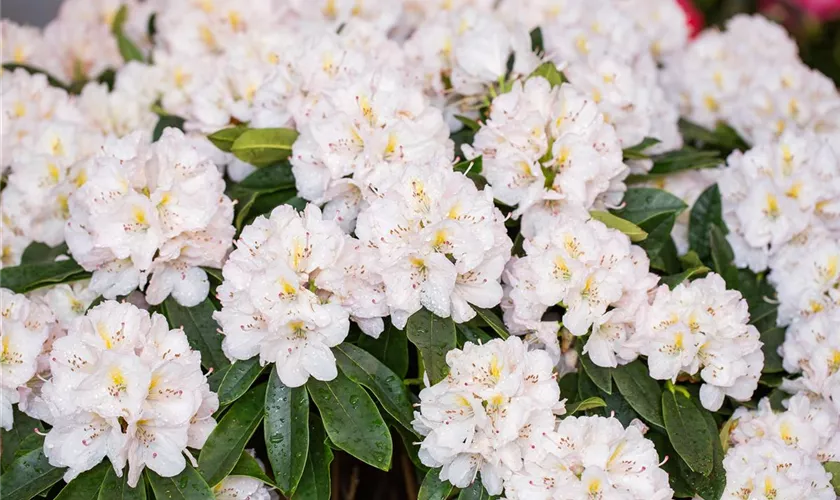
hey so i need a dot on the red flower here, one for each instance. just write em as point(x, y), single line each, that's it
point(821, 9)
point(694, 18)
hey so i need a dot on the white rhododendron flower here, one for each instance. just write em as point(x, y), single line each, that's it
point(593, 272)
point(812, 347)
point(497, 400)
point(272, 301)
point(591, 457)
point(156, 210)
point(702, 328)
point(25, 328)
point(127, 387)
point(440, 242)
point(236, 487)
point(766, 469)
point(775, 192)
point(549, 145)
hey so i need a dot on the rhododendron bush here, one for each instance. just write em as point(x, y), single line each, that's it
point(542, 249)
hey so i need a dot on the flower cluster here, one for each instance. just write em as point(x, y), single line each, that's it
point(127, 387)
point(156, 210)
point(702, 328)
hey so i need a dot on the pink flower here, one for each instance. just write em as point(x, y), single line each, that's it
point(822, 9)
point(694, 18)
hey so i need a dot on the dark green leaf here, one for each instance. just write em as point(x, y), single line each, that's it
point(315, 482)
point(684, 159)
point(364, 369)
point(248, 466)
point(286, 431)
point(223, 139)
point(22, 279)
point(409, 441)
point(548, 70)
point(637, 152)
point(468, 122)
point(617, 407)
point(352, 420)
point(640, 390)
point(238, 379)
point(53, 81)
point(601, 376)
point(117, 488)
point(569, 387)
point(215, 379)
point(537, 41)
point(659, 245)
point(433, 488)
point(271, 178)
point(30, 442)
point(722, 256)
point(165, 122)
point(771, 340)
point(474, 491)
point(39, 252)
point(265, 203)
point(214, 273)
point(712, 485)
point(690, 260)
point(225, 444)
point(723, 138)
point(833, 468)
point(640, 204)
point(28, 475)
point(434, 337)
point(200, 328)
point(674, 280)
point(391, 348)
point(492, 320)
point(633, 231)
point(687, 431)
point(262, 147)
point(151, 26)
point(473, 166)
point(188, 485)
point(467, 333)
point(776, 398)
point(586, 404)
point(87, 484)
point(706, 212)
point(13, 440)
point(669, 463)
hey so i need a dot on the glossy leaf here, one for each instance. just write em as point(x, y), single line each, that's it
point(225, 444)
point(687, 431)
point(706, 212)
point(201, 330)
point(224, 138)
point(39, 252)
point(467, 333)
point(684, 159)
point(164, 122)
point(434, 337)
point(634, 232)
point(722, 256)
point(640, 204)
point(364, 369)
point(117, 488)
point(474, 166)
point(265, 146)
point(475, 491)
point(433, 488)
point(586, 404)
point(87, 484)
point(675, 279)
point(188, 485)
point(548, 70)
point(238, 379)
point(13, 440)
point(25, 278)
point(492, 320)
point(271, 178)
point(391, 348)
point(249, 467)
point(286, 431)
point(28, 475)
point(601, 376)
point(709, 486)
point(640, 390)
point(637, 152)
point(352, 421)
point(315, 482)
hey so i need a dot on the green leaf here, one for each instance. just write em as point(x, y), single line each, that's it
point(238, 380)
point(723, 138)
point(262, 147)
point(586, 404)
point(771, 340)
point(433, 488)
point(467, 333)
point(201, 330)
point(434, 337)
point(224, 138)
point(637, 152)
point(687, 431)
point(690, 260)
point(352, 420)
point(669, 463)
point(475, 491)
point(548, 70)
point(674, 280)
point(722, 256)
point(165, 122)
point(492, 320)
point(473, 166)
point(128, 50)
point(712, 485)
point(39, 252)
point(640, 390)
point(286, 431)
point(633, 231)
point(53, 81)
point(391, 348)
point(117, 488)
point(188, 485)
point(537, 41)
point(659, 245)
point(601, 376)
point(225, 444)
point(641, 204)
point(28, 475)
point(87, 484)
point(271, 178)
point(409, 441)
point(833, 468)
point(468, 122)
point(249, 467)
point(364, 369)
point(22, 279)
point(684, 159)
point(315, 482)
point(119, 20)
point(706, 212)
point(13, 440)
